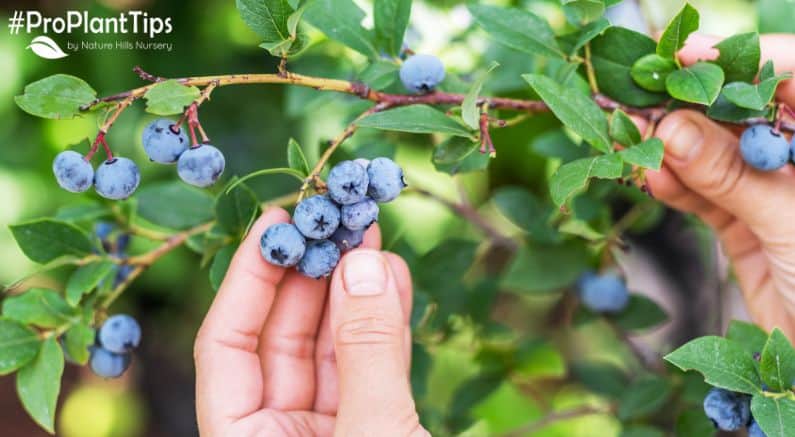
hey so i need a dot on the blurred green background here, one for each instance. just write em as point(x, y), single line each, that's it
point(252, 125)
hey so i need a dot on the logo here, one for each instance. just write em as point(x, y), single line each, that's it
point(46, 48)
point(138, 23)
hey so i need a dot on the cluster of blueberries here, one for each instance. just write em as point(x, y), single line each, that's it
point(606, 293)
point(324, 226)
point(765, 148)
point(730, 411)
point(115, 341)
point(118, 178)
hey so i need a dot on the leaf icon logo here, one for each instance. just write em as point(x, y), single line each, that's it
point(46, 48)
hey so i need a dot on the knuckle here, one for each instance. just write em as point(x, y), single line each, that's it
point(728, 171)
point(373, 330)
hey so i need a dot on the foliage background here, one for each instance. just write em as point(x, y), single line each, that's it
point(252, 125)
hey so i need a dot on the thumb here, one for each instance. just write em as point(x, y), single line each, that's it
point(705, 157)
point(369, 333)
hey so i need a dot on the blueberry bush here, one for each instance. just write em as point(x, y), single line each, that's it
point(552, 235)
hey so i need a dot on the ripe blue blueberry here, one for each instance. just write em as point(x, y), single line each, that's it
point(755, 431)
point(201, 165)
point(117, 178)
point(122, 272)
point(605, 293)
point(103, 230)
point(360, 215)
point(347, 182)
point(386, 179)
point(421, 73)
point(317, 217)
point(763, 148)
point(282, 245)
point(346, 239)
point(72, 171)
point(122, 241)
point(107, 364)
point(729, 411)
point(320, 259)
point(120, 334)
point(164, 142)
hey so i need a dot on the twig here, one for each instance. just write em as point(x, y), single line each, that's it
point(486, 145)
point(146, 76)
point(589, 70)
point(551, 418)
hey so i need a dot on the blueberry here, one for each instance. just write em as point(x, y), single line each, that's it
point(605, 293)
point(763, 148)
point(282, 245)
point(421, 73)
point(346, 239)
point(386, 179)
point(754, 430)
point(347, 182)
point(121, 274)
point(103, 230)
point(120, 334)
point(72, 171)
point(163, 141)
point(363, 162)
point(729, 411)
point(360, 215)
point(122, 241)
point(201, 165)
point(117, 178)
point(107, 364)
point(317, 217)
point(320, 259)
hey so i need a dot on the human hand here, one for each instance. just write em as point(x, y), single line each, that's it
point(282, 354)
point(752, 212)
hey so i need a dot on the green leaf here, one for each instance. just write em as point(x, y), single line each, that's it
point(379, 74)
point(755, 97)
point(415, 119)
point(724, 110)
point(88, 211)
point(39, 382)
point(574, 109)
point(644, 396)
point(85, 279)
point(76, 341)
point(556, 144)
point(44, 240)
point(642, 313)
point(18, 345)
point(573, 177)
point(469, 109)
point(59, 96)
point(175, 205)
point(613, 54)
point(648, 154)
point(518, 29)
point(768, 70)
point(723, 363)
point(739, 57)
point(751, 337)
point(588, 33)
point(601, 378)
point(623, 129)
point(699, 83)
point(341, 20)
point(170, 97)
point(675, 35)
point(694, 423)
point(39, 307)
point(267, 18)
point(581, 12)
point(545, 268)
point(526, 211)
point(459, 155)
point(391, 18)
point(651, 71)
point(775, 416)
point(220, 264)
point(296, 159)
point(236, 209)
point(777, 364)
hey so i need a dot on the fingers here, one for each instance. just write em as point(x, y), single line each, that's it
point(287, 344)
point(228, 373)
point(706, 159)
point(279, 423)
point(368, 328)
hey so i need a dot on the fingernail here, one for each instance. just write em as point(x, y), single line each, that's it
point(685, 141)
point(364, 273)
